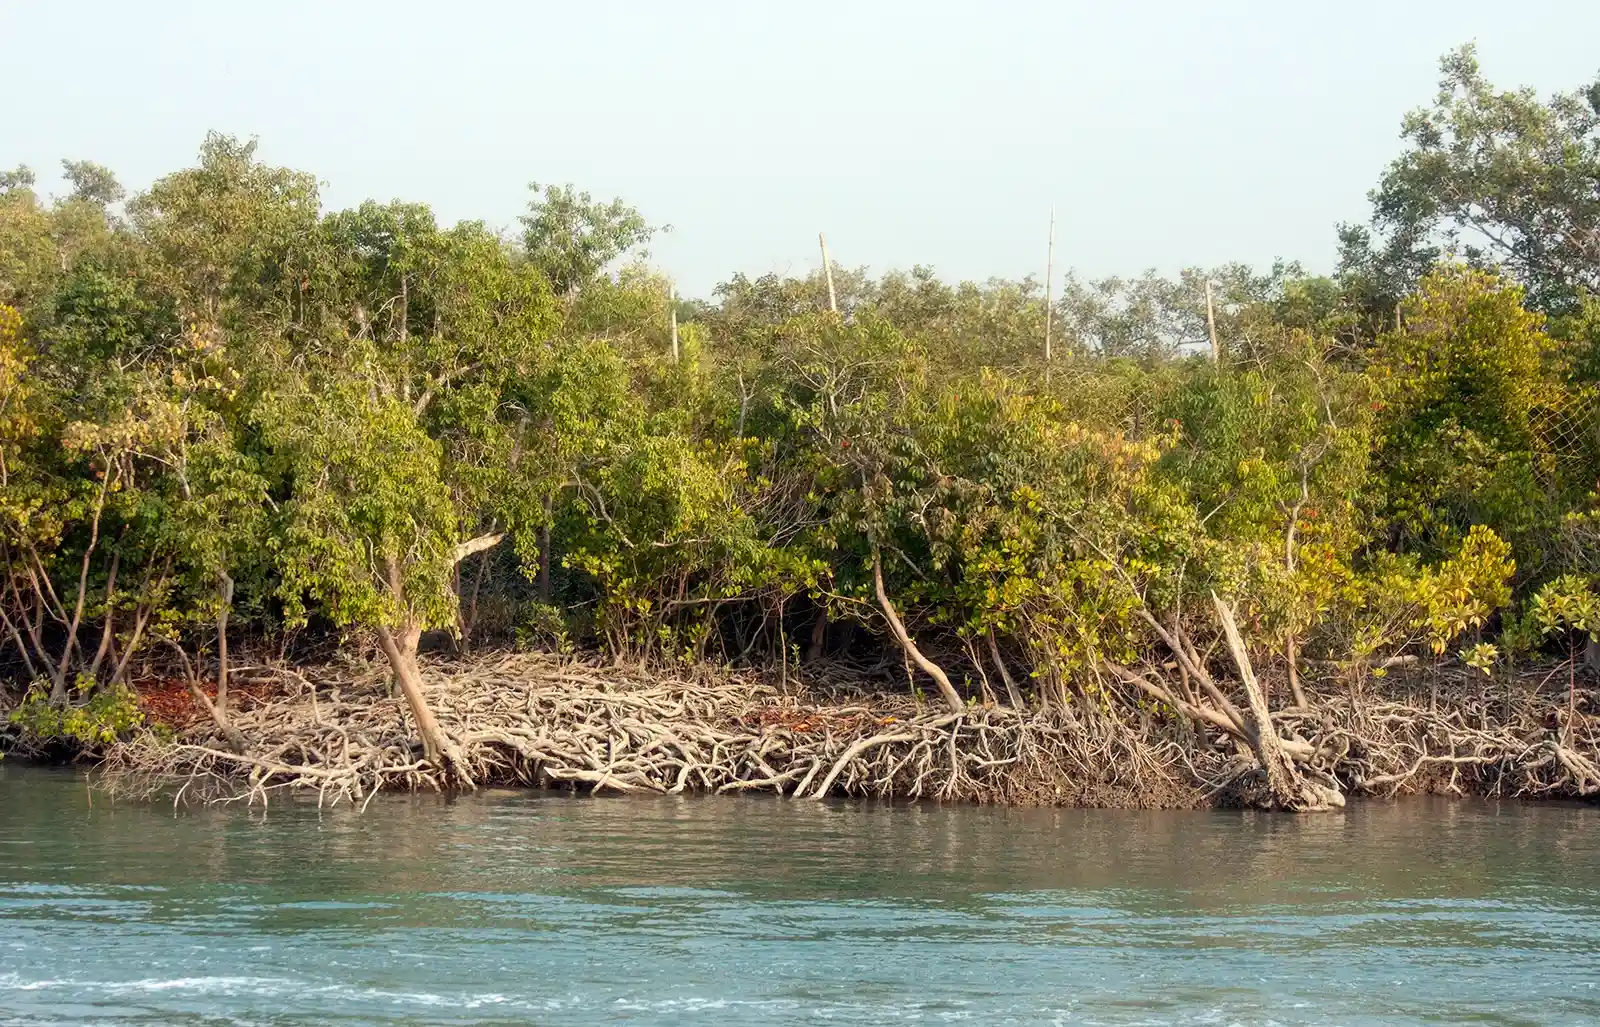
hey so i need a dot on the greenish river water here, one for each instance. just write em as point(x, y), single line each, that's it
point(538, 908)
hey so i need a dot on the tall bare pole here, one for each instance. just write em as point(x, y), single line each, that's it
point(1049, 284)
point(672, 317)
point(827, 270)
point(1211, 323)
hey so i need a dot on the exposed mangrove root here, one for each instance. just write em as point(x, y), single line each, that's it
point(541, 720)
point(531, 719)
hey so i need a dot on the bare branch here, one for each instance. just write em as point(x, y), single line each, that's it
point(476, 545)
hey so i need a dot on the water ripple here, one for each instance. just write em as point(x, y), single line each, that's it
point(520, 907)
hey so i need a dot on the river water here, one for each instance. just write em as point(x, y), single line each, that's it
point(543, 908)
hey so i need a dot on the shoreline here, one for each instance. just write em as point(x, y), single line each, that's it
point(545, 721)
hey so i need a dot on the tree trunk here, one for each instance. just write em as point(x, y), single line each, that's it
point(22, 647)
point(225, 594)
point(1195, 671)
point(819, 636)
point(952, 698)
point(108, 629)
point(1286, 786)
point(467, 625)
point(544, 560)
point(1012, 691)
point(400, 646)
point(58, 687)
point(218, 716)
point(1572, 695)
point(1292, 653)
point(401, 649)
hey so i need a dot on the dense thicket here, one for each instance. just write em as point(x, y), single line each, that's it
point(227, 412)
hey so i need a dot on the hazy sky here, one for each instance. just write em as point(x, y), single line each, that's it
point(1165, 134)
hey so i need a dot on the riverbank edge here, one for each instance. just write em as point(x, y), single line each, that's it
point(545, 721)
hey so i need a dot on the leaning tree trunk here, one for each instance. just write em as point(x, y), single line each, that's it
point(400, 646)
point(1288, 780)
point(217, 712)
point(952, 698)
point(219, 716)
point(1012, 691)
point(401, 649)
point(1287, 787)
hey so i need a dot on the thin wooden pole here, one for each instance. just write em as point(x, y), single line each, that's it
point(827, 270)
point(672, 316)
point(1211, 323)
point(1049, 285)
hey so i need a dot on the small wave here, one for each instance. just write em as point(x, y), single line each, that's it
point(201, 984)
point(675, 892)
point(14, 982)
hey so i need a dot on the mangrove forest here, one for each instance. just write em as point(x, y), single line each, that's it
point(338, 501)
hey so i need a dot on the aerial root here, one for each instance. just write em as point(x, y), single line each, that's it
point(531, 719)
point(540, 720)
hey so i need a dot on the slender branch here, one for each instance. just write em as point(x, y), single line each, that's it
point(1012, 691)
point(111, 616)
point(58, 686)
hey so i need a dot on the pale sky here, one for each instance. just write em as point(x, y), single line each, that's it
point(1165, 134)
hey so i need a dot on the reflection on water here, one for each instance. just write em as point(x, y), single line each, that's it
point(522, 907)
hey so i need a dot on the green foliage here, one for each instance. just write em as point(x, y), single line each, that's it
point(218, 400)
point(1496, 177)
point(92, 183)
point(1465, 385)
point(571, 237)
point(17, 179)
point(1568, 604)
point(107, 715)
point(1399, 602)
point(368, 534)
point(1481, 657)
